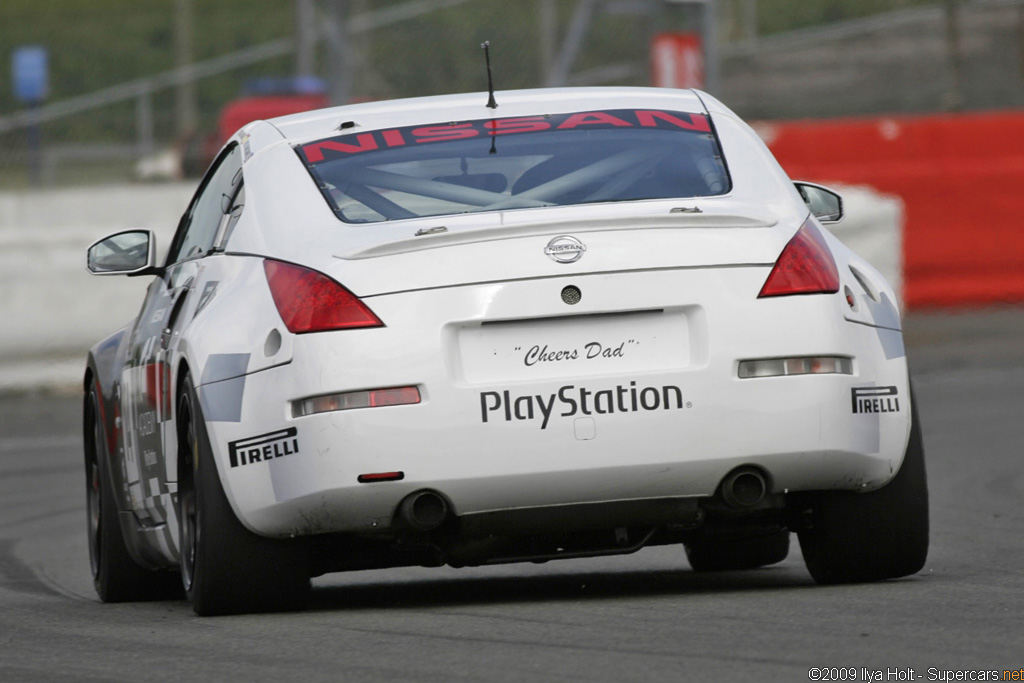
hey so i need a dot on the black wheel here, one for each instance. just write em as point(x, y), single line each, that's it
point(731, 554)
point(883, 534)
point(227, 569)
point(116, 576)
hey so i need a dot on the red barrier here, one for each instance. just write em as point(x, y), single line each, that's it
point(960, 178)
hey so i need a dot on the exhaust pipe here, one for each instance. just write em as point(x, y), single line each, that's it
point(423, 510)
point(744, 487)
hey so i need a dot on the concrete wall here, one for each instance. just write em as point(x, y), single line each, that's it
point(54, 310)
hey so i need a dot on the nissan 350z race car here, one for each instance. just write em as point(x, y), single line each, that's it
point(433, 331)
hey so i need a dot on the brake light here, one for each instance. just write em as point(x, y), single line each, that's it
point(805, 266)
point(309, 301)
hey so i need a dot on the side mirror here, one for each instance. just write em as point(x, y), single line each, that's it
point(825, 204)
point(132, 252)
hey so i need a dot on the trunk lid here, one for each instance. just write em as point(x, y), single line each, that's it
point(439, 256)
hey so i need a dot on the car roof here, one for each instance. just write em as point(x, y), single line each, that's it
point(299, 128)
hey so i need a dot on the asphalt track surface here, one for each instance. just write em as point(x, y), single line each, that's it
point(645, 617)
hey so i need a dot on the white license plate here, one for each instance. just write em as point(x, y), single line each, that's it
point(574, 346)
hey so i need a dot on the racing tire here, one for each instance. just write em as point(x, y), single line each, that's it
point(115, 575)
point(719, 555)
point(225, 567)
point(862, 537)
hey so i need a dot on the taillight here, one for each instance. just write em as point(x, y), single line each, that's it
point(309, 301)
point(805, 266)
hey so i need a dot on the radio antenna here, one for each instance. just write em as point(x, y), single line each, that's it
point(486, 45)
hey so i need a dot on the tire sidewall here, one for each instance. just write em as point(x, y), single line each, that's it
point(234, 570)
point(883, 534)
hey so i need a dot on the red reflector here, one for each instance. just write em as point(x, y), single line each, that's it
point(394, 397)
point(309, 301)
point(805, 266)
point(380, 476)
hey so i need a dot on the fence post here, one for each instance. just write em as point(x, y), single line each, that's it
point(144, 123)
point(339, 46)
point(954, 96)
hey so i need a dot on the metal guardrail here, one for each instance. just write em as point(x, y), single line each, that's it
point(142, 88)
point(146, 86)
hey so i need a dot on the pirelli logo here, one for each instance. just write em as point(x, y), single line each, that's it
point(264, 447)
point(876, 400)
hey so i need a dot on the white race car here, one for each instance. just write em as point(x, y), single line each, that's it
point(434, 331)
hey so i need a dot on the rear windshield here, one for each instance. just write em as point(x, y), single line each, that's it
point(515, 163)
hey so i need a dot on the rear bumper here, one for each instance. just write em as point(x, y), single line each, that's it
point(800, 430)
point(518, 443)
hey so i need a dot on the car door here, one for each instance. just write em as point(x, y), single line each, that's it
point(146, 382)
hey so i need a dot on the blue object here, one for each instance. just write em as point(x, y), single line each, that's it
point(294, 85)
point(30, 73)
